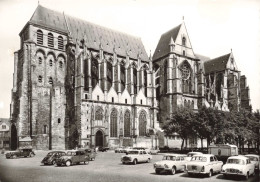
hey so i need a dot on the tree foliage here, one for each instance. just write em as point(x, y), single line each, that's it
point(216, 126)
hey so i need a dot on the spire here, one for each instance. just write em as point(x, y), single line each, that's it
point(172, 45)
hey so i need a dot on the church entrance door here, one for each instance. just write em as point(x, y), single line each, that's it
point(99, 138)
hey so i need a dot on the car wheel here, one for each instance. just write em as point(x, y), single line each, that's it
point(135, 161)
point(31, 155)
point(53, 162)
point(210, 173)
point(173, 171)
point(68, 163)
point(14, 156)
point(93, 159)
point(86, 162)
point(148, 160)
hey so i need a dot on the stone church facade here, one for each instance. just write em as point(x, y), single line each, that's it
point(79, 84)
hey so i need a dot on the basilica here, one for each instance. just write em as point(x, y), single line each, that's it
point(78, 84)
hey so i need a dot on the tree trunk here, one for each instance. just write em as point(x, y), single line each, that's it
point(182, 143)
point(201, 140)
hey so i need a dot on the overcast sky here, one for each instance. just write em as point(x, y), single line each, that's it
point(214, 27)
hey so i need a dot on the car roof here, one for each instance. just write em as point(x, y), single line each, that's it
point(253, 155)
point(184, 155)
point(204, 155)
point(195, 153)
point(56, 151)
point(238, 157)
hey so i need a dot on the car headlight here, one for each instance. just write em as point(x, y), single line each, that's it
point(202, 169)
point(166, 166)
point(154, 165)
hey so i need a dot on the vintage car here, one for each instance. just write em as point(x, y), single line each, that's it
point(91, 153)
point(142, 148)
point(103, 149)
point(136, 156)
point(204, 164)
point(51, 157)
point(254, 159)
point(190, 154)
point(119, 150)
point(154, 151)
point(73, 157)
point(22, 152)
point(171, 163)
point(127, 149)
point(238, 166)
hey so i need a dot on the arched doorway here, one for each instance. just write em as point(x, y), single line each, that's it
point(99, 138)
point(13, 137)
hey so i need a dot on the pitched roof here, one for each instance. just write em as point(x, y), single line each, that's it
point(163, 45)
point(95, 34)
point(216, 64)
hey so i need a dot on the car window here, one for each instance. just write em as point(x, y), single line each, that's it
point(144, 152)
point(212, 159)
point(177, 158)
point(235, 161)
point(182, 158)
point(248, 161)
point(199, 158)
point(215, 158)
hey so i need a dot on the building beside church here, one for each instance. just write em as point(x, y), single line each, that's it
point(79, 84)
point(5, 135)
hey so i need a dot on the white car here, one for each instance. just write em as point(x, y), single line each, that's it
point(238, 166)
point(136, 156)
point(190, 154)
point(204, 164)
point(171, 163)
point(254, 159)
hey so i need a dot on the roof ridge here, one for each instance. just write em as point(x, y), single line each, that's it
point(100, 26)
point(217, 57)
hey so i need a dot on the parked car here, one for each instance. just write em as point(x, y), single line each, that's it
point(136, 156)
point(119, 150)
point(154, 151)
point(127, 149)
point(171, 163)
point(22, 152)
point(73, 157)
point(238, 166)
point(191, 154)
point(142, 148)
point(254, 159)
point(204, 164)
point(90, 153)
point(103, 149)
point(51, 157)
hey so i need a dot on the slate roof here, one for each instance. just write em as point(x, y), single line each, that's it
point(163, 45)
point(94, 33)
point(216, 64)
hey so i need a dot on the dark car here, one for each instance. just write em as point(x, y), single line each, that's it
point(51, 157)
point(103, 149)
point(22, 152)
point(91, 153)
point(73, 157)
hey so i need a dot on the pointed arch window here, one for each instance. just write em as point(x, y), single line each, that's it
point(165, 76)
point(135, 79)
point(184, 41)
point(60, 43)
point(99, 114)
point(40, 79)
point(186, 78)
point(122, 76)
point(50, 40)
point(142, 124)
point(39, 37)
point(145, 80)
point(50, 81)
point(127, 126)
point(113, 123)
point(94, 72)
point(109, 75)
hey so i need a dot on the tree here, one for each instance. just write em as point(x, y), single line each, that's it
point(181, 121)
